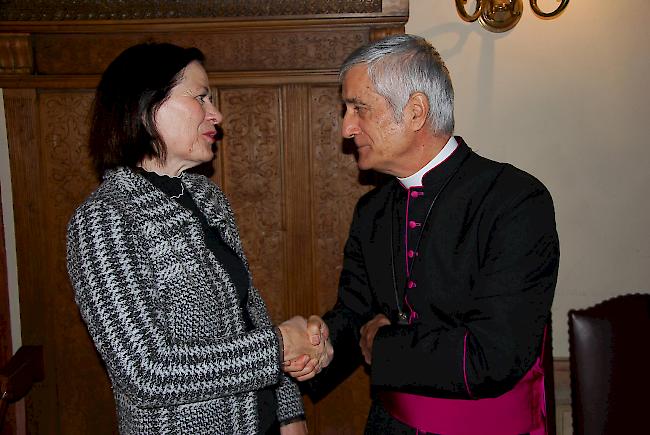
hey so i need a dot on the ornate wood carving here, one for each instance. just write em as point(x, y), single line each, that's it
point(61, 10)
point(252, 173)
point(246, 51)
point(15, 54)
point(69, 170)
point(336, 190)
point(68, 179)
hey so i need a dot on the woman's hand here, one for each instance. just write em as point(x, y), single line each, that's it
point(306, 366)
point(298, 340)
point(295, 428)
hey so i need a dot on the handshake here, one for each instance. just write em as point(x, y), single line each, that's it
point(306, 346)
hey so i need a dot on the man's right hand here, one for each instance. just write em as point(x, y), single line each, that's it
point(297, 340)
point(368, 332)
point(313, 354)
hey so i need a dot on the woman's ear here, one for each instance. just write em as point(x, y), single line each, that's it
point(417, 111)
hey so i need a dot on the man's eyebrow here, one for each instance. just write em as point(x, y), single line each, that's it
point(355, 101)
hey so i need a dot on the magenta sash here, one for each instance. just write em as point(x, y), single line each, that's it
point(520, 410)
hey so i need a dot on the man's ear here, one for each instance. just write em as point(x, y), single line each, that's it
point(417, 111)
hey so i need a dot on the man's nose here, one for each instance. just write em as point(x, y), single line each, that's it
point(349, 128)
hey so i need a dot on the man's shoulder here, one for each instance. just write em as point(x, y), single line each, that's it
point(503, 176)
point(516, 182)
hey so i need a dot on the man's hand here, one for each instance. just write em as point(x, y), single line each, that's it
point(298, 340)
point(368, 332)
point(307, 366)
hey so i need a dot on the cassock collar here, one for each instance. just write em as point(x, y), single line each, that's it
point(415, 180)
point(435, 177)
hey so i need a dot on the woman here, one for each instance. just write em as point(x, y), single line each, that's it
point(157, 266)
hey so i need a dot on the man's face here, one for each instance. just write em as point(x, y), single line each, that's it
point(382, 143)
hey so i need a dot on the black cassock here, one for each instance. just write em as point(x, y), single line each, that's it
point(470, 258)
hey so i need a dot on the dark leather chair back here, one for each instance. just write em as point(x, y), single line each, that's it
point(609, 357)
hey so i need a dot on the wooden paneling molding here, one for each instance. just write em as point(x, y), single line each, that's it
point(62, 10)
point(15, 54)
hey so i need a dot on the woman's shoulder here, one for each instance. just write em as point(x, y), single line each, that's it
point(114, 192)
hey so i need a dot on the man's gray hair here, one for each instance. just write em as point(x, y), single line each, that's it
point(401, 65)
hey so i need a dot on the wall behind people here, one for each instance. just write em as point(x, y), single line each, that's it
point(568, 101)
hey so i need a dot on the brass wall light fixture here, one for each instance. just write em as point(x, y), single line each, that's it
point(502, 15)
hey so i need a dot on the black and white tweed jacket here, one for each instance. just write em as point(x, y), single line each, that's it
point(164, 315)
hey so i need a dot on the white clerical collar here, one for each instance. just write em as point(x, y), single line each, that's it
point(416, 179)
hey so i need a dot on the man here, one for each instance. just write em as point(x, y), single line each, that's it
point(449, 268)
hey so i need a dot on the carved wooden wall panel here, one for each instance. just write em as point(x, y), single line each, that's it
point(257, 50)
point(336, 190)
point(252, 180)
point(68, 178)
point(282, 164)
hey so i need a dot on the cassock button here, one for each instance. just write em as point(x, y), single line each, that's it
point(413, 224)
point(414, 194)
point(411, 284)
point(411, 253)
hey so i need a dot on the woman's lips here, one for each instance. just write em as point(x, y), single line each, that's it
point(210, 134)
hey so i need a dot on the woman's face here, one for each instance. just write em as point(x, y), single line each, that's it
point(186, 121)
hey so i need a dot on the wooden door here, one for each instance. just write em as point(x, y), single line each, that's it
point(281, 163)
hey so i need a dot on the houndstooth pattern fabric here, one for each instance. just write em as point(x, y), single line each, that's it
point(164, 315)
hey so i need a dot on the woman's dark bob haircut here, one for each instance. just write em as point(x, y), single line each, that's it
point(131, 90)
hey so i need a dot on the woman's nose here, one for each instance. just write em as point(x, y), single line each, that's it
point(213, 114)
